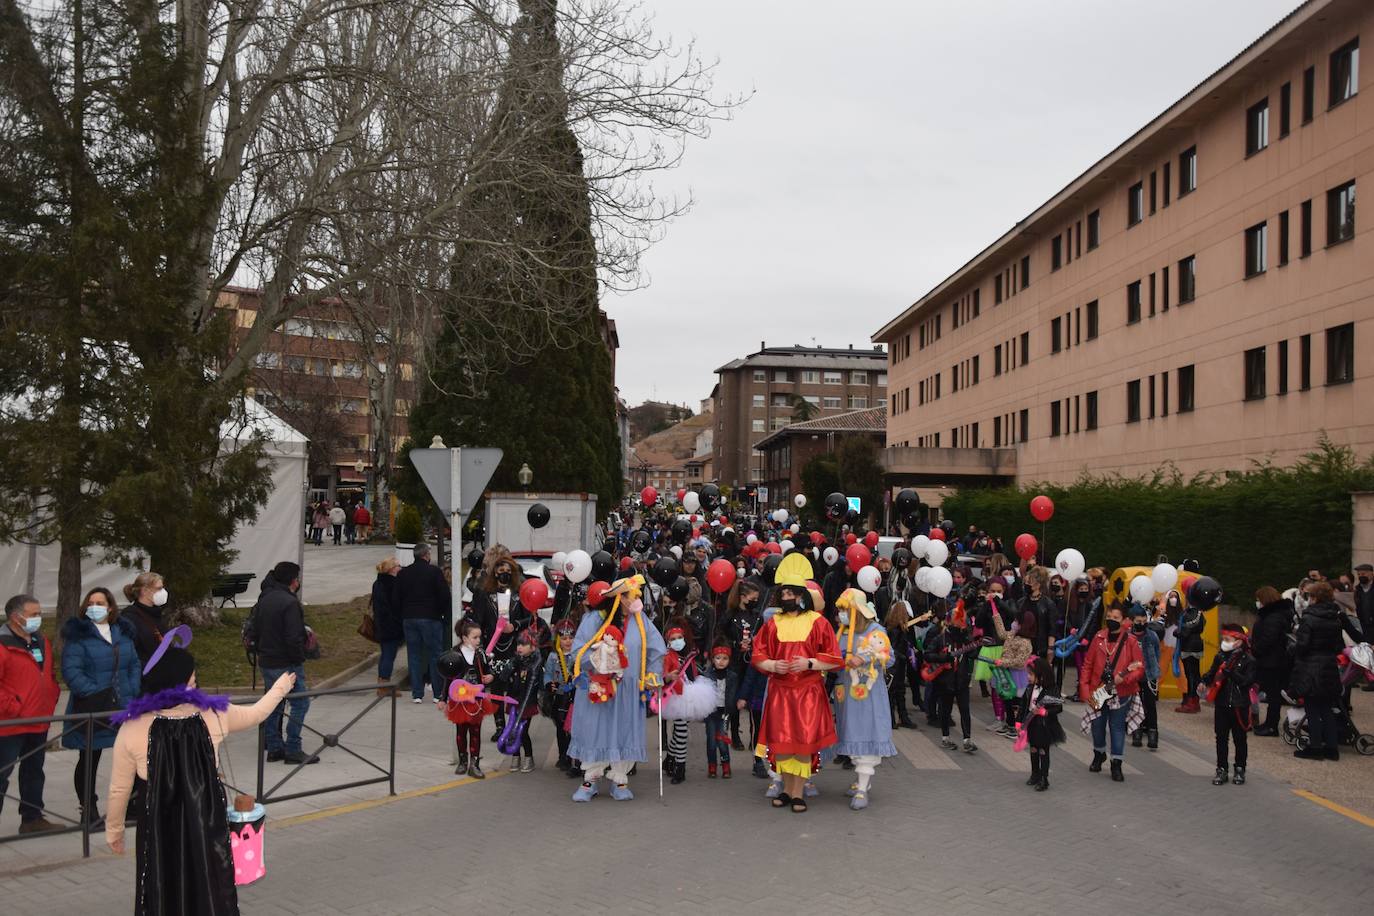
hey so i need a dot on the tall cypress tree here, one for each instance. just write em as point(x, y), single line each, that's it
point(554, 409)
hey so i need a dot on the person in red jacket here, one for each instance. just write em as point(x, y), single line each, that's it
point(1114, 666)
point(28, 690)
point(362, 522)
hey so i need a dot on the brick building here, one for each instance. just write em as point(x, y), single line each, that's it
point(787, 451)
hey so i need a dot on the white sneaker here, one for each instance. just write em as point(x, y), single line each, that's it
point(994, 726)
point(417, 699)
point(947, 744)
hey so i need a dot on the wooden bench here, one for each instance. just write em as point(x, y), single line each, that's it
point(229, 586)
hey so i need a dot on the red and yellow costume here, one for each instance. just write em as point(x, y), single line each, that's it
point(796, 712)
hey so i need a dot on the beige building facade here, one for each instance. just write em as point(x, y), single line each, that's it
point(1202, 296)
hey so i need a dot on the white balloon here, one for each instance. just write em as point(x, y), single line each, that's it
point(780, 516)
point(800, 500)
point(831, 556)
point(691, 502)
point(676, 551)
point(919, 545)
point(816, 552)
point(795, 528)
point(1070, 564)
point(1142, 589)
point(750, 538)
point(937, 553)
point(557, 560)
point(578, 566)
point(787, 545)
point(922, 578)
point(1164, 577)
point(941, 581)
point(869, 579)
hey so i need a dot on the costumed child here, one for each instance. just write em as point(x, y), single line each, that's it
point(1228, 685)
point(795, 648)
point(558, 689)
point(674, 678)
point(863, 719)
point(897, 624)
point(169, 737)
point(725, 680)
point(1040, 720)
point(468, 673)
point(1189, 647)
point(526, 677)
point(1016, 654)
point(948, 656)
point(608, 735)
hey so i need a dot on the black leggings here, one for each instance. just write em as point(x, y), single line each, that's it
point(947, 699)
point(86, 759)
point(1226, 721)
point(1192, 671)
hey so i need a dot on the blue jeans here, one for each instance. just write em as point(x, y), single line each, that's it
point(387, 663)
point(1116, 720)
point(299, 706)
point(12, 747)
point(424, 643)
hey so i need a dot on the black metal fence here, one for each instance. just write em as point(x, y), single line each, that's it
point(90, 723)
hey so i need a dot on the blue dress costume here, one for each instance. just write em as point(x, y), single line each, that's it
point(614, 731)
point(863, 719)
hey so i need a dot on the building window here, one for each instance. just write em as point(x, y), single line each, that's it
point(997, 432)
point(1309, 93)
point(1283, 366)
point(1256, 249)
point(1164, 392)
point(1168, 184)
point(1091, 398)
point(760, 375)
point(1185, 389)
point(857, 403)
point(1285, 108)
point(1345, 72)
point(1256, 127)
point(1340, 214)
point(1283, 238)
point(830, 403)
point(756, 426)
point(1056, 253)
point(1304, 362)
point(1092, 320)
point(1254, 374)
point(781, 376)
point(1025, 347)
point(997, 290)
point(1152, 295)
point(858, 378)
point(1133, 302)
point(1025, 271)
point(997, 360)
point(834, 378)
point(1133, 401)
point(1305, 229)
point(1135, 204)
point(811, 376)
point(1340, 354)
point(882, 379)
point(1055, 327)
point(1152, 397)
point(1154, 192)
point(953, 378)
point(1094, 229)
point(1054, 420)
point(781, 400)
point(1187, 171)
point(1164, 287)
point(267, 360)
point(758, 400)
point(1025, 423)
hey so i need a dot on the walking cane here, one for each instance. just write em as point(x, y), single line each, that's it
point(660, 743)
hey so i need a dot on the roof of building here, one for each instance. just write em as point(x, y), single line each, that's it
point(810, 358)
point(869, 420)
point(1123, 152)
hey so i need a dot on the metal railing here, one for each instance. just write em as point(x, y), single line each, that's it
point(90, 723)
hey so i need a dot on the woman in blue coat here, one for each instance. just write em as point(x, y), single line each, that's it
point(99, 653)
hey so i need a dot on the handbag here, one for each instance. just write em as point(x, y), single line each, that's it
point(106, 700)
point(367, 627)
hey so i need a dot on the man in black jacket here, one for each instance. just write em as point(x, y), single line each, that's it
point(424, 599)
point(280, 623)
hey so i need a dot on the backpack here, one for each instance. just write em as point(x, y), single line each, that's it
point(248, 635)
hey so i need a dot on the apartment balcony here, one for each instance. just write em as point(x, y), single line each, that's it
point(906, 465)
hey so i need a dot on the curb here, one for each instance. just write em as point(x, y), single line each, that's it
point(348, 674)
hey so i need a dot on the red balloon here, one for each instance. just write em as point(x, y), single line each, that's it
point(816, 538)
point(937, 534)
point(725, 520)
point(533, 594)
point(648, 496)
point(857, 557)
point(1026, 546)
point(681, 494)
point(596, 593)
point(1042, 507)
point(626, 563)
point(720, 575)
point(850, 538)
point(774, 547)
point(692, 519)
point(871, 540)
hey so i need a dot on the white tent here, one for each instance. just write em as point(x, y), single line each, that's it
point(276, 535)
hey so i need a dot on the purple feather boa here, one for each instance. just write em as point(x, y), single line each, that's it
point(166, 699)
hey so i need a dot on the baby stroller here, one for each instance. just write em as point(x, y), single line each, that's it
point(1357, 667)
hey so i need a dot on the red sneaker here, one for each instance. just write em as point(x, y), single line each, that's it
point(725, 771)
point(710, 771)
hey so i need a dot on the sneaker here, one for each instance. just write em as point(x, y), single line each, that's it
point(475, 770)
point(622, 793)
point(710, 771)
point(774, 789)
point(515, 764)
point(852, 790)
point(417, 699)
point(527, 765)
point(585, 792)
point(859, 801)
point(969, 746)
point(996, 725)
point(947, 744)
point(725, 771)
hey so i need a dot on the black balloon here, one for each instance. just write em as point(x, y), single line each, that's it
point(901, 558)
point(835, 506)
point(603, 566)
point(475, 558)
point(538, 516)
point(1192, 566)
point(1205, 593)
point(641, 541)
point(852, 515)
point(906, 502)
point(448, 664)
point(947, 526)
point(678, 589)
point(710, 497)
point(912, 521)
point(682, 529)
point(664, 571)
point(770, 567)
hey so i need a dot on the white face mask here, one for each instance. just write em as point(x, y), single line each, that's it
point(677, 645)
point(160, 597)
point(97, 613)
point(843, 618)
point(1227, 645)
point(1259, 605)
point(32, 624)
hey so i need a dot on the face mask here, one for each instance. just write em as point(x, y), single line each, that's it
point(843, 618)
point(1227, 645)
point(1008, 578)
point(503, 578)
point(677, 645)
point(1259, 605)
point(160, 597)
point(1113, 626)
point(788, 604)
point(1137, 628)
point(31, 624)
point(97, 613)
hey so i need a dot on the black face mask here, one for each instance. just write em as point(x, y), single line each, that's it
point(1137, 628)
point(503, 578)
point(1113, 625)
point(748, 603)
point(789, 604)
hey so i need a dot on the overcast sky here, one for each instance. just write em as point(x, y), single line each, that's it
point(886, 143)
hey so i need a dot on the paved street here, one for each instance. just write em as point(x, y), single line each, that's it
point(952, 832)
point(331, 574)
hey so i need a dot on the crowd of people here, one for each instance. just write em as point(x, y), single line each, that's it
point(347, 521)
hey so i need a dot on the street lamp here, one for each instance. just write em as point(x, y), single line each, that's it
point(525, 476)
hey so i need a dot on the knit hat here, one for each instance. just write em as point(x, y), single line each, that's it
point(174, 669)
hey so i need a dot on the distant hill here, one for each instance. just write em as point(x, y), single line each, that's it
point(655, 416)
point(677, 441)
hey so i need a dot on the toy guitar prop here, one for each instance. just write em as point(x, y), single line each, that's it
point(1066, 646)
point(931, 671)
point(461, 691)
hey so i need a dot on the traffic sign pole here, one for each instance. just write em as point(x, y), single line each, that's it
point(455, 541)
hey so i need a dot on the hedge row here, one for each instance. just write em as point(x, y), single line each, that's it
point(1264, 526)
